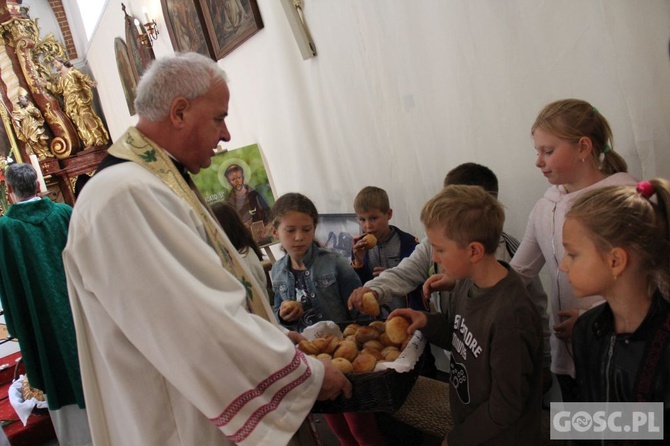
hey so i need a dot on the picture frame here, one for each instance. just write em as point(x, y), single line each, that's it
point(128, 78)
point(336, 232)
point(140, 55)
point(229, 23)
point(215, 185)
point(185, 27)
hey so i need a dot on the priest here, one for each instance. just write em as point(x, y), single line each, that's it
point(177, 344)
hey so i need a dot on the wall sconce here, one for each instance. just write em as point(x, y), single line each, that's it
point(148, 31)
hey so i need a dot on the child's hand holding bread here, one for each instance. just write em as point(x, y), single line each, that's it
point(290, 310)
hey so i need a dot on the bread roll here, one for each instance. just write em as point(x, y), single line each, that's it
point(379, 325)
point(308, 347)
point(375, 344)
point(384, 339)
point(396, 329)
point(389, 349)
point(346, 350)
point(323, 356)
point(333, 341)
point(373, 352)
point(370, 241)
point(392, 356)
point(369, 305)
point(289, 305)
point(364, 363)
point(320, 344)
point(343, 364)
point(365, 334)
point(350, 329)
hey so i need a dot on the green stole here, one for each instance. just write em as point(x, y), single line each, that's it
point(134, 146)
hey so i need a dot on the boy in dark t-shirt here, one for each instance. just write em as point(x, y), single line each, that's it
point(490, 323)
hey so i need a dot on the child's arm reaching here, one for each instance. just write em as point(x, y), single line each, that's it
point(355, 301)
point(437, 282)
point(435, 326)
point(417, 318)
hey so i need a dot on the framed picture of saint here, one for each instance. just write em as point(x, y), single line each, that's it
point(240, 178)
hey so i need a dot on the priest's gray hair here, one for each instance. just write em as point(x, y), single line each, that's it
point(23, 180)
point(187, 75)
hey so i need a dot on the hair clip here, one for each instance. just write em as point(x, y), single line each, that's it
point(607, 148)
point(645, 188)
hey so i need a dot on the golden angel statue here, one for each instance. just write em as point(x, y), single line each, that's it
point(75, 87)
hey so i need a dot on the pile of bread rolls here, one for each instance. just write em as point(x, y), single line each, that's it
point(362, 346)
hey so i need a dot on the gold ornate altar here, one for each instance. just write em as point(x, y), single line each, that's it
point(46, 105)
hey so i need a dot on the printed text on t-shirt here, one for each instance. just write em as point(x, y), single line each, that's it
point(463, 339)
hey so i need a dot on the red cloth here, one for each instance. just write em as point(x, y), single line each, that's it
point(39, 429)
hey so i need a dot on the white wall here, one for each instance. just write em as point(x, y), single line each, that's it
point(401, 91)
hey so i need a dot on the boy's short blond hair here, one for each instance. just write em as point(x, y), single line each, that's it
point(370, 198)
point(467, 214)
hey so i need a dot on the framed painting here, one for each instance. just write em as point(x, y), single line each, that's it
point(337, 232)
point(139, 55)
point(239, 177)
point(128, 79)
point(185, 27)
point(229, 23)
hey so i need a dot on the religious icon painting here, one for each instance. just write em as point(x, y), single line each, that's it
point(185, 27)
point(229, 23)
point(128, 79)
point(240, 178)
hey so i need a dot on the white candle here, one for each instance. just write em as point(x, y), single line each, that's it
point(146, 15)
point(40, 178)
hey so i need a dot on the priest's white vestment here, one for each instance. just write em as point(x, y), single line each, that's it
point(169, 354)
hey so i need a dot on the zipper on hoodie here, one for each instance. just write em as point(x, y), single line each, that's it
point(610, 353)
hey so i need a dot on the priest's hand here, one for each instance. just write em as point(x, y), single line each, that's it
point(295, 337)
point(334, 382)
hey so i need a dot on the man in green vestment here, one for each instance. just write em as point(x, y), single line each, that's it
point(33, 290)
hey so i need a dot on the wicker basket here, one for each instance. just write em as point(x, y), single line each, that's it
point(381, 391)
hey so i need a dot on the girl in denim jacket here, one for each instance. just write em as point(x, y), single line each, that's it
point(317, 278)
point(320, 281)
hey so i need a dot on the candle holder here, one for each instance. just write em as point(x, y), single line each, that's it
point(148, 32)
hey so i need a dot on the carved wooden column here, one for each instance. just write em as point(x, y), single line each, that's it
point(25, 61)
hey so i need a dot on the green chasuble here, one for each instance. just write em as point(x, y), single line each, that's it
point(34, 296)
